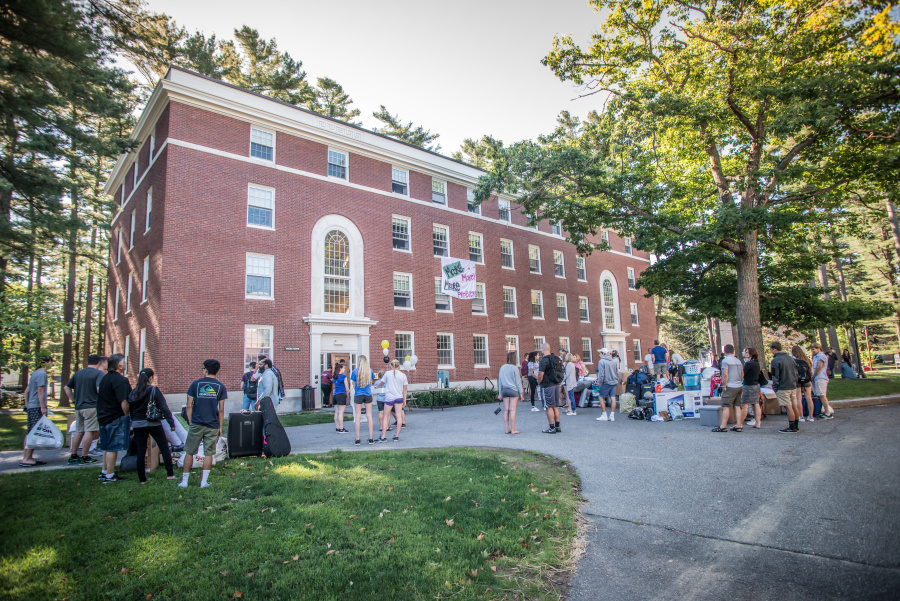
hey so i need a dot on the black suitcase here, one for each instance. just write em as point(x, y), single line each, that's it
point(245, 434)
point(275, 439)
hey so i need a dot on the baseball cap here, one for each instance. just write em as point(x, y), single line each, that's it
point(604, 351)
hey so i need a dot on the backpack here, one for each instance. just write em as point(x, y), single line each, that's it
point(802, 371)
point(250, 387)
point(557, 372)
point(524, 368)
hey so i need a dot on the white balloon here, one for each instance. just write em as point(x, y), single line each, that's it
point(406, 365)
point(385, 352)
point(413, 360)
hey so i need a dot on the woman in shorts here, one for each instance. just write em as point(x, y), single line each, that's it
point(510, 384)
point(339, 400)
point(361, 388)
point(395, 389)
point(750, 394)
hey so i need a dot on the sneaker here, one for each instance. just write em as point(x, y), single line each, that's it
point(114, 478)
point(178, 449)
point(344, 431)
point(74, 460)
point(602, 418)
point(182, 485)
point(101, 477)
point(612, 417)
point(789, 430)
point(558, 429)
point(96, 452)
point(88, 460)
point(826, 416)
point(204, 485)
point(550, 430)
point(382, 439)
point(569, 413)
point(371, 441)
point(533, 408)
point(396, 438)
point(809, 419)
point(357, 442)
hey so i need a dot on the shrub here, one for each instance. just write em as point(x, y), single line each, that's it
point(458, 396)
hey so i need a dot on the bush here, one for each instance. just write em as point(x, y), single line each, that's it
point(458, 397)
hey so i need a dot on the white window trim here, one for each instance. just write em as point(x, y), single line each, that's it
point(115, 347)
point(531, 305)
point(607, 275)
point(632, 278)
point(584, 263)
point(128, 298)
point(487, 351)
point(470, 196)
point(408, 186)
point(412, 340)
point(452, 351)
point(500, 211)
point(346, 154)
point(484, 298)
point(145, 280)
point(567, 345)
point(604, 236)
point(512, 254)
point(446, 202)
point(629, 246)
point(635, 318)
point(119, 250)
point(640, 351)
point(357, 265)
point(480, 244)
point(410, 276)
point(152, 146)
point(515, 303)
point(539, 271)
point(446, 229)
point(543, 340)
point(121, 200)
point(116, 306)
point(588, 320)
point(450, 310)
point(127, 352)
point(274, 203)
point(558, 224)
point(148, 210)
point(565, 298)
point(590, 356)
point(136, 173)
point(506, 342)
point(272, 291)
point(274, 144)
point(133, 225)
point(142, 348)
point(408, 233)
point(562, 256)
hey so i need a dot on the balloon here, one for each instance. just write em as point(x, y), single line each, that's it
point(407, 359)
point(387, 359)
point(385, 352)
point(413, 360)
point(406, 365)
point(385, 344)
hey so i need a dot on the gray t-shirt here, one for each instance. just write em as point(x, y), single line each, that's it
point(734, 366)
point(37, 379)
point(820, 358)
point(85, 384)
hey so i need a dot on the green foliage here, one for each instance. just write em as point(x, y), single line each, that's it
point(378, 525)
point(458, 397)
point(27, 316)
point(332, 101)
point(480, 153)
point(393, 126)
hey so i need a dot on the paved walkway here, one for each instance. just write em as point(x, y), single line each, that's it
point(678, 512)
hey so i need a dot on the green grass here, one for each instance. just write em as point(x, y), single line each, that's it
point(393, 525)
point(840, 389)
point(12, 428)
point(308, 418)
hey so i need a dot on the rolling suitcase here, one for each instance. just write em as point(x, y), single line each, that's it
point(275, 439)
point(245, 434)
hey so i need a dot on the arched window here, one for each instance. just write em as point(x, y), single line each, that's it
point(609, 305)
point(337, 273)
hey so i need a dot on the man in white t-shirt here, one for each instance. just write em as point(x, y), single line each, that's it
point(733, 379)
point(648, 359)
point(820, 379)
point(678, 361)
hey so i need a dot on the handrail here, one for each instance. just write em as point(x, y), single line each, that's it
point(487, 379)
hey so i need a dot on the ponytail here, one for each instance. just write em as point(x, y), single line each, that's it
point(143, 383)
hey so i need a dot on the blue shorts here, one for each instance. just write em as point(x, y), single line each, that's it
point(393, 402)
point(607, 390)
point(114, 436)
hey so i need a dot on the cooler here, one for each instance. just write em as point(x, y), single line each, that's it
point(692, 381)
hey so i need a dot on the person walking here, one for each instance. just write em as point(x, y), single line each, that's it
point(510, 384)
point(804, 383)
point(660, 358)
point(549, 381)
point(571, 381)
point(82, 391)
point(608, 376)
point(326, 387)
point(339, 400)
point(783, 372)
point(820, 379)
point(148, 408)
point(532, 377)
point(395, 390)
point(249, 385)
point(361, 389)
point(112, 416)
point(205, 412)
point(36, 406)
point(750, 390)
point(678, 364)
point(732, 377)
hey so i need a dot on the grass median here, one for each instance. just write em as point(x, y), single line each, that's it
point(425, 524)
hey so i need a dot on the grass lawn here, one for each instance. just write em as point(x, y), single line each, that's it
point(12, 428)
point(393, 525)
point(308, 418)
point(840, 389)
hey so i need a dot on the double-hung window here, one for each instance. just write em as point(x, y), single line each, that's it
point(509, 301)
point(262, 144)
point(403, 345)
point(586, 350)
point(478, 304)
point(145, 279)
point(506, 254)
point(133, 224)
point(116, 306)
point(442, 302)
point(556, 228)
point(476, 248)
point(445, 350)
point(632, 283)
point(119, 251)
point(128, 296)
point(149, 211)
point(504, 210)
point(564, 344)
point(470, 203)
point(438, 192)
point(400, 227)
point(634, 314)
point(512, 346)
point(135, 183)
point(628, 248)
point(636, 347)
point(537, 304)
point(257, 341)
point(559, 266)
point(261, 207)
point(562, 309)
point(580, 271)
point(152, 146)
point(260, 271)
point(337, 164)
point(402, 291)
point(538, 343)
point(534, 259)
point(604, 236)
point(583, 309)
point(481, 350)
point(400, 181)
point(127, 352)
point(142, 349)
point(441, 237)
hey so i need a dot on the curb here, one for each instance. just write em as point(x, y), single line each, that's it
point(866, 401)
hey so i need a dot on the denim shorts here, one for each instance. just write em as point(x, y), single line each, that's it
point(114, 436)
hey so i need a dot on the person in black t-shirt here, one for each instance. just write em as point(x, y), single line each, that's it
point(205, 412)
point(82, 390)
point(112, 415)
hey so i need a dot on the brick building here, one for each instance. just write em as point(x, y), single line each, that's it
point(250, 225)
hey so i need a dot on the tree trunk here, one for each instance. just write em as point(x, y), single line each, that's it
point(851, 332)
point(895, 227)
point(832, 333)
point(748, 320)
point(659, 302)
point(89, 301)
point(79, 305)
point(69, 305)
point(101, 318)
point(737, 340)
point(37, 286)
point(717, 332)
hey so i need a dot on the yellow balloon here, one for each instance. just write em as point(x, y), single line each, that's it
point(385, 344)
point(406, 358)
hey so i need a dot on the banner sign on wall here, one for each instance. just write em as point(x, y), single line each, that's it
point(458, 278)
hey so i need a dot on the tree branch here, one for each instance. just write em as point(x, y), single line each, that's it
point(784, 162)
point(818, 192)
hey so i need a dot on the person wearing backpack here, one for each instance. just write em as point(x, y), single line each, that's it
point(804, 382)
point(608, 376)
point(550, 376)
point(249, 386)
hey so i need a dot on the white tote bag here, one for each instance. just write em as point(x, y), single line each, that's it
point(44, 435)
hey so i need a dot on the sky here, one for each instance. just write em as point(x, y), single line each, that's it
point(462, 69)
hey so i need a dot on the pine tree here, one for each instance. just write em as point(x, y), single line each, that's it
point(480, 153)
point(415, 135)
point(332, 101)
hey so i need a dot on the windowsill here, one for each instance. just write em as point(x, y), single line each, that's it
point(403, 250)
point(630, 288)
point(482, 366)
point(509, 268)
point(566, 319)
point(532, 272)
point(265, 298)
point(561, 277)
point(434, 202)
point(585, 321)
point(403, 308)
point(440, 256)
point(144, 302)
point(261, 227)
point(128, 311)
point(446, 367)
point(343, 179)
point(484, 313)
point(443, 311)
point(481, 262)
point(262, 161)
point(541, 318)
point(580, 280)
point(511, 316)
point(146, 230)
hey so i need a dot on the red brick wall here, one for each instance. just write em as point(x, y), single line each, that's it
point(369, 172)
point(299, 153)
point(191, 124)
